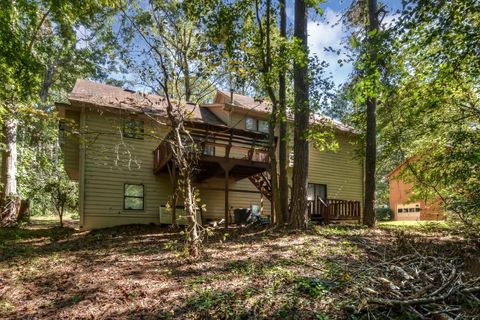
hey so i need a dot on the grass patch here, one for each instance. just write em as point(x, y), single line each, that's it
point(21, 234)
point(420, 226)
point(313, 287)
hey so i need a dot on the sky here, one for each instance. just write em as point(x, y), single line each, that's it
point(325, 31)
point(328, 31)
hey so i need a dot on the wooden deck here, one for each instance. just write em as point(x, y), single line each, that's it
point(239, 152)
point(228, 153)
point(328, 210)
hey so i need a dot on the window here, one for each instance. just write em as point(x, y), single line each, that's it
point(417, 209)
point(263, 126)
point(209, 149)
point(316, 191)
point(400, 210)
point(133, 197)
point(251, 124)
point(256, 125)
point(133, 129)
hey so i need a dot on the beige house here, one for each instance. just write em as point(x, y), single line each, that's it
point(113, 144)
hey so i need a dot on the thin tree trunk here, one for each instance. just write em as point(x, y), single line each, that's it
point(283, 152)
point(8, 201)
point(190, 208)
point(48, 80)
point(369, 217)
point(188, 88)
point(174, 199)
point(298, 216)
point(185, 167)
point(61, 217)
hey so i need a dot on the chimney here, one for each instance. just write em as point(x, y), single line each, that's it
point(231, 96)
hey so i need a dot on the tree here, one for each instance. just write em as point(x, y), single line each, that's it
point(259, 57)
point(166, 47)
point(365, 89)
point(369, 217)
point(283, 134)
point(298, 214)
point(434, 97)
point(264, 62)
point(63, 194)
point(28, 31)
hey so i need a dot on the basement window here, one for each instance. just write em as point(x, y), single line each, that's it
point(133, 197)
point(133, 128)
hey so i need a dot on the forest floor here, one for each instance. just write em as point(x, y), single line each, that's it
point(141, 272)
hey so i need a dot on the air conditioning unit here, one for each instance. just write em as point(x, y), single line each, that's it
point(165, 215)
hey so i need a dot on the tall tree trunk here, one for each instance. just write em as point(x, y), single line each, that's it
point(283, 152)
point(298, 215)
point(186, 80)
point(369, 217)
point(276, 205)
point(8, 201)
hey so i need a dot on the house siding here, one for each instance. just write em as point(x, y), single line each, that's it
point(340, 170)
point(111, 161)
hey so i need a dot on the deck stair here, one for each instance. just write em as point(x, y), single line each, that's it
point(263, 182)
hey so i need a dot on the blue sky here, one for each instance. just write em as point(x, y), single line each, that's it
point(328, 31)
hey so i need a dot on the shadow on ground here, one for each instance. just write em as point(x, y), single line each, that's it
point(141, 272)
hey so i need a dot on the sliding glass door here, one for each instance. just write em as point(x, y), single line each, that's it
point(317, 198)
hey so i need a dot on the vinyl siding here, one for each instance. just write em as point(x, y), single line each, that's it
point(340, 170)
point(215, 199)
point(110, 162)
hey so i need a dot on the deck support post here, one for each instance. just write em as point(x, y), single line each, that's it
point(327, 212)
point(227, 215)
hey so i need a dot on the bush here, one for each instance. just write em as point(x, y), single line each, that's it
point(383, 214)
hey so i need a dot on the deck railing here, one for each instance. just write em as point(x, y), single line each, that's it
point(231, 144)
point(161, 155)
point(334, 209)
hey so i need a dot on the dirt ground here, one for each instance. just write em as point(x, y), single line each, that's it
point(141, 272)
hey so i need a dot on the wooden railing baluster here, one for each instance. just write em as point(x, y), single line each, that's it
point(334, 209)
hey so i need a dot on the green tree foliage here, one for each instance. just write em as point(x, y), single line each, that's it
point(174, 34)
point(432, 112)
point(44, 46)
point(63, 193)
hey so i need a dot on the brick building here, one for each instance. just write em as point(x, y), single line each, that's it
point(404, 207)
